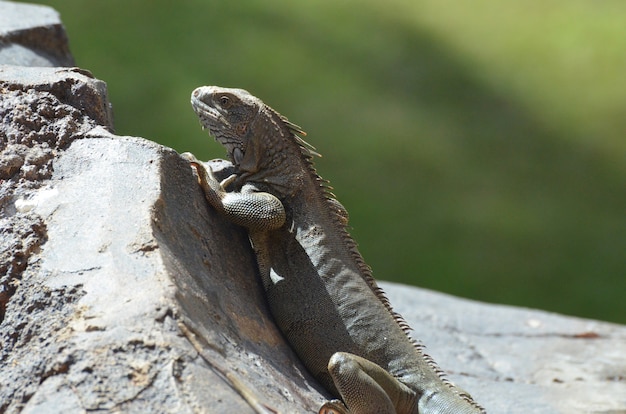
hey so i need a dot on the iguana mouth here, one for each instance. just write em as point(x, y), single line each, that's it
point(210, 117)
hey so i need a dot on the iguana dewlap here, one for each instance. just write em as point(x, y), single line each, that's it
point(320, 291)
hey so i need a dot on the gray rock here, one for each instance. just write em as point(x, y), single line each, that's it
point(42, 110)
point(121, 291)
point(147, 316)
point(76, 89)
point(516, 360)
point(32, 35)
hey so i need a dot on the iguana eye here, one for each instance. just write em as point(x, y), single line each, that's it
point(224, 100)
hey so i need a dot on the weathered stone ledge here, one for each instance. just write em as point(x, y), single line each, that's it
point(120, 291)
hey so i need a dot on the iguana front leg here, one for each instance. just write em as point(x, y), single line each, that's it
point(257, 211)
point(366, 388)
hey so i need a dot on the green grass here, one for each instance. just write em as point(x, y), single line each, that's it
point(480, 147)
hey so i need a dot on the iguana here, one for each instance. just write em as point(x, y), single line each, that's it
point(320, 291)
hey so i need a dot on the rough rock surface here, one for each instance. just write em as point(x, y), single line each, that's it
point(32, 35)
point(120, 291)
point(517, 360)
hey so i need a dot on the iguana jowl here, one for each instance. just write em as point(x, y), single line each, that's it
point(320, 291)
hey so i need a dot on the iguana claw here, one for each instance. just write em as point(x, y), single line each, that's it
point(206, 178)
point(189, 157)
point(333, 407)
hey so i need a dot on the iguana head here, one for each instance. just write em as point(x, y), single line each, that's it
point(263, 145)
point(227, 114)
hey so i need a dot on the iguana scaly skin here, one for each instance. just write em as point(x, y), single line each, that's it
point(320, 291)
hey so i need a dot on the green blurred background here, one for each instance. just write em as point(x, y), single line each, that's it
point(480, 147)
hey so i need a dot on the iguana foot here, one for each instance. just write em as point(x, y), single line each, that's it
point(334, 407)
point(206, 178)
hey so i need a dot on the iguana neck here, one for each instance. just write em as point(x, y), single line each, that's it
point(273, 158)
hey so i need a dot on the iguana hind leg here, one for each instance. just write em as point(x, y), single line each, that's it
point(366, 388)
